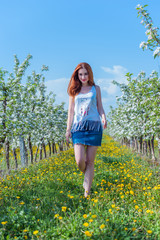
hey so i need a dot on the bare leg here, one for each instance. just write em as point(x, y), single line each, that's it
point(89, 172)
point(80, 156)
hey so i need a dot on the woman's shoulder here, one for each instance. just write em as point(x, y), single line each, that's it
point(97, 88)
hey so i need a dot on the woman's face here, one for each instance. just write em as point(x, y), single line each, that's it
point(83, 76)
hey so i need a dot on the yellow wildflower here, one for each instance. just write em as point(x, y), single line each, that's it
point(3, 223)
point(86, 224)
point(88, 234)
point(64, 209)
point(102, 226)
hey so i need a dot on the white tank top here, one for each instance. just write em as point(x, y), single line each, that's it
point(86, 116)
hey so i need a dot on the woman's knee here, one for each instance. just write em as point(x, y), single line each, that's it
point(80, 162)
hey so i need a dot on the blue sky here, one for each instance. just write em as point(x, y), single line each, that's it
point(60, 34)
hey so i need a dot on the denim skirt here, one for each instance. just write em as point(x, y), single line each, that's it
point(91, 138)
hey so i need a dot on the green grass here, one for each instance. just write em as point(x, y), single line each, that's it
point(46, 200)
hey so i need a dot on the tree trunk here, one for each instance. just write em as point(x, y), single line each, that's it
point(35, 158)
point(15, 157)
point(22, 151)
point(159, 147)
point(50, 151)
point(136, 144)
point(26, 150)
point(54, 150)
point(53, 147)
point(145, 148)
point(44, 149)
point(67, 145)
point(7, 153)
point(60, 144)
point(4, 105)
point(152, 149)
point(140, 144)
point(40, 153)
point(30, 149)
point(149, 148)
point(133, 142)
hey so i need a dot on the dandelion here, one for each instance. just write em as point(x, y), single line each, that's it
point(84, 215)
point(94, 216)
point(136, 207)
point(149, 231)
point(90, 220)
point(35, 232)
point(88, 234)
point(4, 223)
point(107, 220)
point(113, 205)
point(102, 226)
point(64, 209)
point(56, 215)
point(86, 224)
point(110, 210)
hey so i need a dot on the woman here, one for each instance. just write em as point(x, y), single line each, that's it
point(85, 110)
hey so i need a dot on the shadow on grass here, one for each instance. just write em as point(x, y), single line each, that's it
point(109, 159)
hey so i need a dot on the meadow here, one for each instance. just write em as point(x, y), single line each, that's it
point(45, 201)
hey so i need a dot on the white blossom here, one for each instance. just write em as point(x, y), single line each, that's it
point(150, 37)
point(143, 45)
point(139, 7)
point(157, 52)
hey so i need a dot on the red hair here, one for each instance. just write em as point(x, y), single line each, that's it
point(74, 86)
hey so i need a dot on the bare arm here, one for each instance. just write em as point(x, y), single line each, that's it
point(100, 107)
point(70, 117)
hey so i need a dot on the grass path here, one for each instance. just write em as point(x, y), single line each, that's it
point(46, 200)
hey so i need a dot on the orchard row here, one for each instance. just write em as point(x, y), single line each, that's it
point(28, 115)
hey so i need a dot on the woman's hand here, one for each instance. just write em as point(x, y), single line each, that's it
point(104, 122)
point(68, 135)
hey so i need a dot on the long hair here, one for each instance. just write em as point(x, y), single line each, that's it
point(74, 86)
